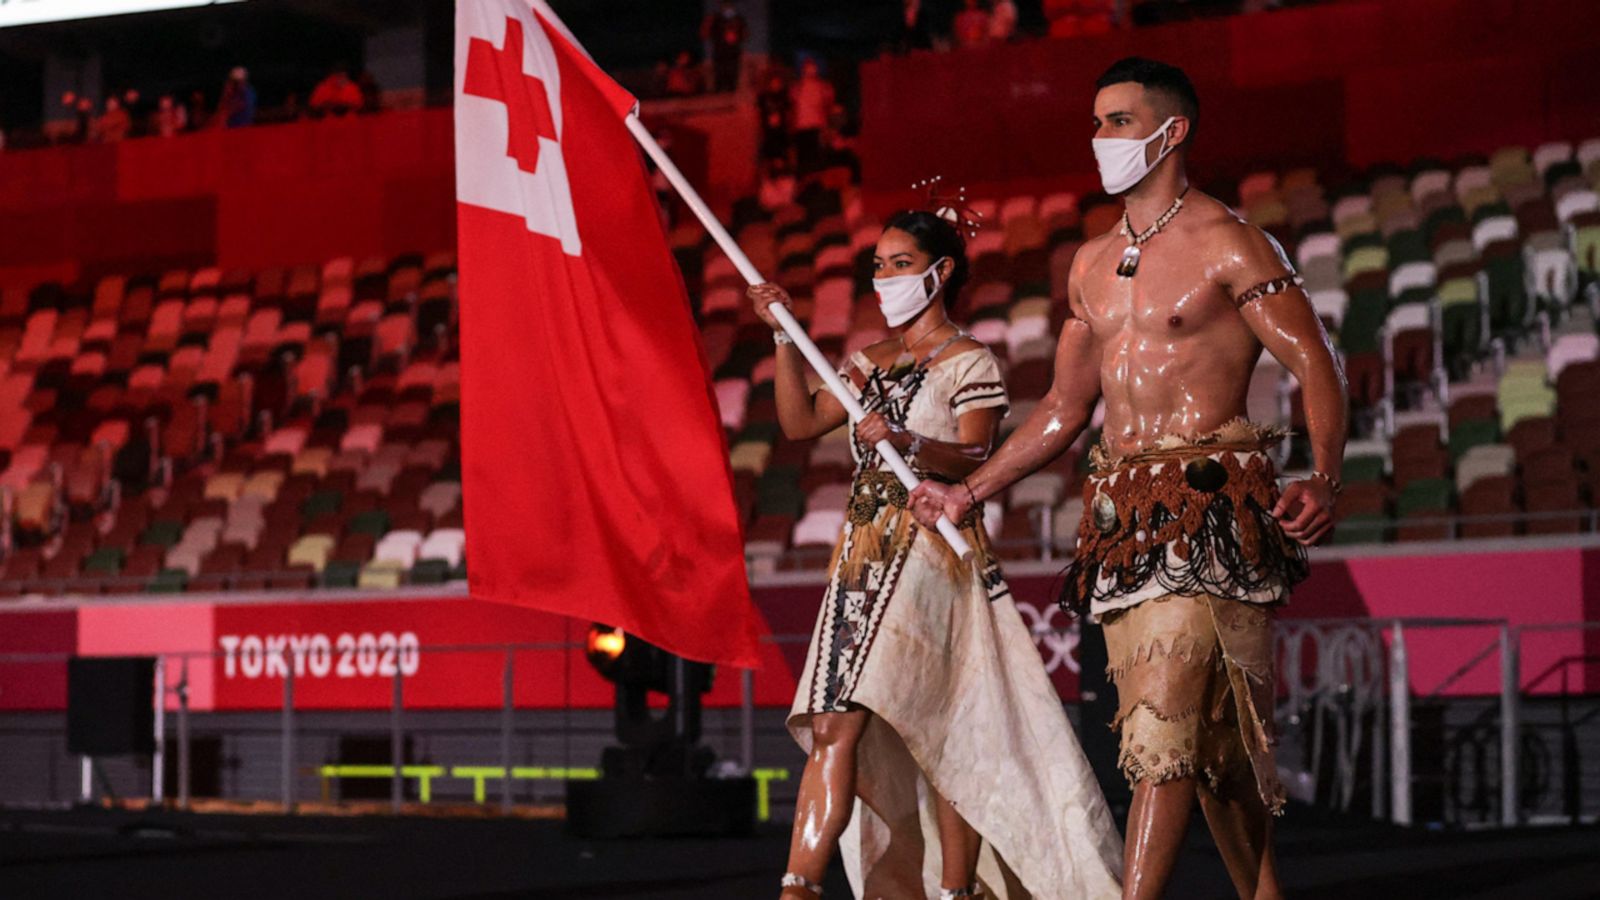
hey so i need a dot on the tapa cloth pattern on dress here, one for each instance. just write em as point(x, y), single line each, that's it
point(959, 698)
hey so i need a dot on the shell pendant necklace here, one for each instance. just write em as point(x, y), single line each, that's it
point(1130, 257)
point(907, 360)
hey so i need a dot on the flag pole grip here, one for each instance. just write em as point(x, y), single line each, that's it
point(802, 341)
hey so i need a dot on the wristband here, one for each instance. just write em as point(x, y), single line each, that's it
point(780, 338)
point(1333, 483)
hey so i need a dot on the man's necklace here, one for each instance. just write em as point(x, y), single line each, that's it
point(1130, 256)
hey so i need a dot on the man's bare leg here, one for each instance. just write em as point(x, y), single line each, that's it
point(958, 847)
point(1241, 826)
point(1157, 823)
point(827, 796)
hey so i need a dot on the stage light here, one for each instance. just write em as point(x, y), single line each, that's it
point(656, 779)
point(605, 645)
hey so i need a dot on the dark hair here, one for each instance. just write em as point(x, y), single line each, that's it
point(1167, 80)
point(938, 238)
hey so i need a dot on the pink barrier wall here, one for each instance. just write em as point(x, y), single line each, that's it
point(1382, 80)
point(345, 650)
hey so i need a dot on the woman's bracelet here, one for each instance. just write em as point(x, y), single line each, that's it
point(971, 494)
point(781, 337)
point(1333, 483)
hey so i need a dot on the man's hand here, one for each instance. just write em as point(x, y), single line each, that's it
point(932, 499)
point(1306, 510)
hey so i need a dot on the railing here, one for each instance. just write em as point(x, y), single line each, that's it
point(1362, 673)
point(1512, 745)
point(1346, 688)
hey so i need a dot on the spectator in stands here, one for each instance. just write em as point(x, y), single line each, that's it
point(170, 118)
point(237, 108)
point(773, 107)
point(114, 124)
point(812, 98)
point(1002, 21)
point(685, 78)
point(337, 94)
point(725, 32)
point(972, 26)
point(82, 111)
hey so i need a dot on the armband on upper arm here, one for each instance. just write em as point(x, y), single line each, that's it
point(1275, 286)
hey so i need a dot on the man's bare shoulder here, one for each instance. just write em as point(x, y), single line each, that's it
point(1228, 238)
point(1094, 248)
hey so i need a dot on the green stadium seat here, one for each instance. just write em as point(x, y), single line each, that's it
point(162, 533)
point(430, 571)
point(1365, 528)
point(1477, 432)
point(1364, 468)
point(340, 574)
point(1425, 495)
point(168, 581)
point(104, 561)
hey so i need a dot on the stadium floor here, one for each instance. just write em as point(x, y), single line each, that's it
point(103, 853)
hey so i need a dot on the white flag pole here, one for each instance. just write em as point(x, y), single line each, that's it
point(785, 318)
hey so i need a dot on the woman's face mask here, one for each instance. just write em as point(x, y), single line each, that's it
point(903, 297)
point(1121, 160)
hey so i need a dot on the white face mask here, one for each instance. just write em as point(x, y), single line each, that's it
point(1122, 162)
point(904, 296)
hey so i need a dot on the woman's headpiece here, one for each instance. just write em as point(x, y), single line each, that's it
point(952, 208)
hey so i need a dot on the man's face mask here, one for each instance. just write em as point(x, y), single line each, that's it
point(1121, 160)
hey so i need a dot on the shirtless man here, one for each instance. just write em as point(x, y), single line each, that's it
point(1186, 543)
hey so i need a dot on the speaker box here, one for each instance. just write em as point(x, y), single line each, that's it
point(111, 705)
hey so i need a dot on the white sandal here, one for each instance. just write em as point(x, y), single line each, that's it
point(971, 890)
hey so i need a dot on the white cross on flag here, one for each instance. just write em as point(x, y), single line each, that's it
point(595, 473)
